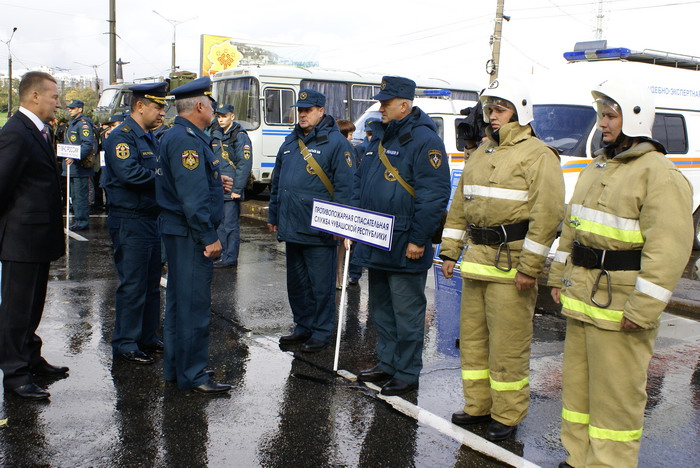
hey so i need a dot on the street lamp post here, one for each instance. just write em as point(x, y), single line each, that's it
point(9, 69)
point(175, 24)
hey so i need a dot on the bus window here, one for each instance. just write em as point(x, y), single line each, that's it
point(244, 94)
point(336, 96)
point(278, 110)
point(440, 127)
point(362, 99)
point(669, 130)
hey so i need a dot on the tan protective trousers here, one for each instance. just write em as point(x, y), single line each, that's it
point(604, 394)
point(495, 335)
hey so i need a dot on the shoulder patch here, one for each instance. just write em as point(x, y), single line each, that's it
point(348, 158)
point(126, 128)
point(85, 125)
point(435, 157)
point(246, 152)
point(122, 150)
point(190, 159)
point(86, 132)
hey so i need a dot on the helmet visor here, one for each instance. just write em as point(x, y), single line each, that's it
point(492, 102)
point(605, 104)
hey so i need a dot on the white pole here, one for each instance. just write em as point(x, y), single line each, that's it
point(67, 196)
point(341, 313)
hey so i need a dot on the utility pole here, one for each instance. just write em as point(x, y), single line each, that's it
point(175, 24)
point(493, 65)
point(9, 69)
point(599, 21)
point(112, 41)
point(97, 77)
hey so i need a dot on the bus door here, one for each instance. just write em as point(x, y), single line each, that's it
point(278, 122)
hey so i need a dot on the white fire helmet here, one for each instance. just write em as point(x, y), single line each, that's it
point(632, 100)
point(508, 90)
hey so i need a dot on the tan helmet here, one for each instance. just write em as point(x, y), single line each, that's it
point(510, 90)
point(632, 100)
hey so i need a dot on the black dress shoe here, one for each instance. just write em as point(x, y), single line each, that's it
point(30, 391)
point(312, 345)
point(565, 465)
point(463, 419)
point(396, 387)
point(222, 264)
point(374, 374)
point(497, 431)
point(137, 357)
point(209, 372)
point(156, 347)
point(47, 369)
point(211, 386)
point(294, 338)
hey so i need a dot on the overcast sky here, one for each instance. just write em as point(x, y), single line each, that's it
point(443, 38)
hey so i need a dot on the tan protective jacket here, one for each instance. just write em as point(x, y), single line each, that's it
point(636, 200)
point(518, 180)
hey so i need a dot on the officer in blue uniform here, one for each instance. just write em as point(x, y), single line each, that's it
point(80, 131)
point(232, 147)
point(404, 173)
point(315, 161)
point(129, 179)
point(188, 190)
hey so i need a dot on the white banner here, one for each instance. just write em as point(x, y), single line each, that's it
point(368, 227)
point(68, 151)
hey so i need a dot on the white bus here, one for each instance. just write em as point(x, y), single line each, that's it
point(565, 118)
point(262, 97)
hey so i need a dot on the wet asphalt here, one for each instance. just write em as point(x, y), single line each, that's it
point(287, 408)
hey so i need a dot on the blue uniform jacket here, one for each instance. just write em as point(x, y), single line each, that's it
point(413, 147)
point(130, 171)
point(294, 186)
point(234, 151)
point(188, 184)
point(81, 131)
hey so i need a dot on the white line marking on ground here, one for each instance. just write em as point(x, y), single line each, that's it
point(459, 434)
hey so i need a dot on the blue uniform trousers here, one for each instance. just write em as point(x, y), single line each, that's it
point(397, 305)
point(311, 288)
point(79, 187)
point(136, 244)
point(230, 231)
point(187, 311)
point(354, 271)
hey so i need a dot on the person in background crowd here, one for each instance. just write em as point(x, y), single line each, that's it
point(315, 161)
point(80, 131)
point(31, 234)
point(346, 128)
point(231, 145)
point(625, 241)
point(404, 173)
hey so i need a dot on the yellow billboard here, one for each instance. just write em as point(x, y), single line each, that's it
point(218, 54)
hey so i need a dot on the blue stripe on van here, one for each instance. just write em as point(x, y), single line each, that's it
point(267, 164)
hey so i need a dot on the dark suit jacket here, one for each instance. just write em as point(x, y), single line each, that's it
point(31, 222)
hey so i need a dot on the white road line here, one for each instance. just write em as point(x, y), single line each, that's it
point(74, 235)
point(459, 434)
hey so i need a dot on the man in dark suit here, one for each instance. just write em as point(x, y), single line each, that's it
point(31, 233)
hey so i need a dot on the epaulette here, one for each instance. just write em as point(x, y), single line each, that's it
point(125, 128)
point(190, 131)
point(405, 138)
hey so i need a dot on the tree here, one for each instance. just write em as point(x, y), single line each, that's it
point(87, 95)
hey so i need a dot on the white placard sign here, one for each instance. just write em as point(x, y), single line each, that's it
point(68, 151)
point(102, 159)
point(368, 227)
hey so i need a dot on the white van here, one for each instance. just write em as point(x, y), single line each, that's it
point(444, 111)
point(565, 118)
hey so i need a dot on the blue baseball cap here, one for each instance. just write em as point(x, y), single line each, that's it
point(152, 91)
point(75, 103)
point(224, 109)
point(199, 87)
point(375, 116)
point(396, 87)
point(116, 118)
point(310, 98)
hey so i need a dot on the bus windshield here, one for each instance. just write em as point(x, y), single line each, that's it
point(564, 127)
point(244, 94)
point(107, 97)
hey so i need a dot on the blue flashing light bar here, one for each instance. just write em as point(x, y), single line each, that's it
point(434, 92)
point(616, 53)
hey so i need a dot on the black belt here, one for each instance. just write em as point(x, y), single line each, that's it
point(496, 235)
point(598, 259)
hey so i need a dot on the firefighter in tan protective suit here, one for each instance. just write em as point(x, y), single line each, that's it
point(507, 206)
point(626, 239)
